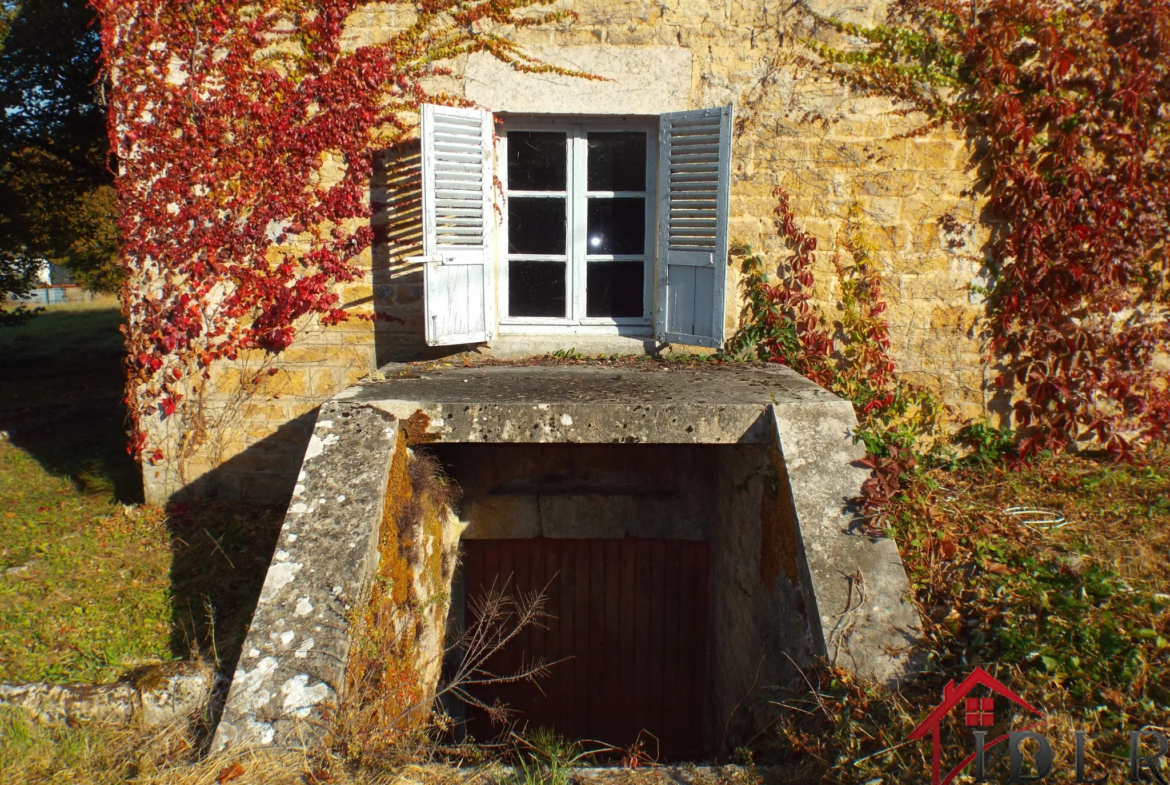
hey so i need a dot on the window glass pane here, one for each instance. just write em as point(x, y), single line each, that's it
point(536, 224)
point(616, 225)
point(617, 161)
point(614, 289)
point(536, 161)
point(536, 289)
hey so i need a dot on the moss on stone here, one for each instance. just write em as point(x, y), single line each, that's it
point(398, 643)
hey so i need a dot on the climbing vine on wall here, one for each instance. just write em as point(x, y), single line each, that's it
point(845, 349)
point(244, 133)
point(779, 322)
point(1065, 105)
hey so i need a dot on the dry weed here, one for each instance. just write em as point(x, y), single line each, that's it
point(391, 715)
point(1053, 577)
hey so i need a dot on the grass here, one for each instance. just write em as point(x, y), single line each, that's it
point(84, 570)
point(85, 587)
point(92, 581)
point(1069, 606)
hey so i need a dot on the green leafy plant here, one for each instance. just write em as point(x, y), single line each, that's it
point(988, 444)
point(545, 757)
point(1073, 617)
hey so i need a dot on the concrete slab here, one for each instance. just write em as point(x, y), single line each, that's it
point(293, 660)
point(651, 403)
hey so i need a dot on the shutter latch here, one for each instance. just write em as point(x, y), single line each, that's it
point(432, 259)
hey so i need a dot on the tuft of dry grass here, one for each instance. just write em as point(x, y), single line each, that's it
point(391, 716)
point(92, 753)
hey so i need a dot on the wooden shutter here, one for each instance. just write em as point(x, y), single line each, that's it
point(694, 182)
point(458, 224)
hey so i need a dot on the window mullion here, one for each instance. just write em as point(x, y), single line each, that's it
point(577, 227)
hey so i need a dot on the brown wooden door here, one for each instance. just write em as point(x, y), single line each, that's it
point(629, 619)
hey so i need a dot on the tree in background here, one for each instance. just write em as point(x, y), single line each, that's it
point(57, 200)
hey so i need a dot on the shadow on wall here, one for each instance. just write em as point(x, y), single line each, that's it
point(396, 207)
point(266, 471)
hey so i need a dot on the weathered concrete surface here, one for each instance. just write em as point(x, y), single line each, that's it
point(293, 660)
point(643, 404)
point(165, 695)
point(853, 584)
point(856, 585)
point(751, 624)
point(791, 577)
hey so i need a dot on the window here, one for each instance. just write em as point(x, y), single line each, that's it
point(578, 237)
point(604, 226)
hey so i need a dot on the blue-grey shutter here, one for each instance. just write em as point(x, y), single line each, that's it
point(458, 224)
point(694, 183)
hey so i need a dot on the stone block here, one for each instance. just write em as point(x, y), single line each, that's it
point(882, 210)
point(933, 154)
point(307, 354)
point(292, 664)
point(166, 694)
point(654, 79)
point(503, 517)
point(585, 516)
point(821, 465)
point(894, 183)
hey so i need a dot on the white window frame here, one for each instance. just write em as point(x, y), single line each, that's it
point(576, 322)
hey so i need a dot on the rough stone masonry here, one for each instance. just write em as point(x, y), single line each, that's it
point(655, 57)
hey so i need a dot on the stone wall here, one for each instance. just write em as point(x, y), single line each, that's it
point(832, 151)
point(585, 491)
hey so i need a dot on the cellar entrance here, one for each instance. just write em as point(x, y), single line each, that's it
point(626, 628)
point(692, 525)
point(642, 552)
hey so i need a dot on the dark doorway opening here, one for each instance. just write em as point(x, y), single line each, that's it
point(628, 620)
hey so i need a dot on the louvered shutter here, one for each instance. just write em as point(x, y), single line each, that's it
point(694, 182)
point(458, 224)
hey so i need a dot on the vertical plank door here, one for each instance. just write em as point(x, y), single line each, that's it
point(629, 635)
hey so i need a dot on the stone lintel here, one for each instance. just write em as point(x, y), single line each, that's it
point(293, 661)
point(643, 80)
